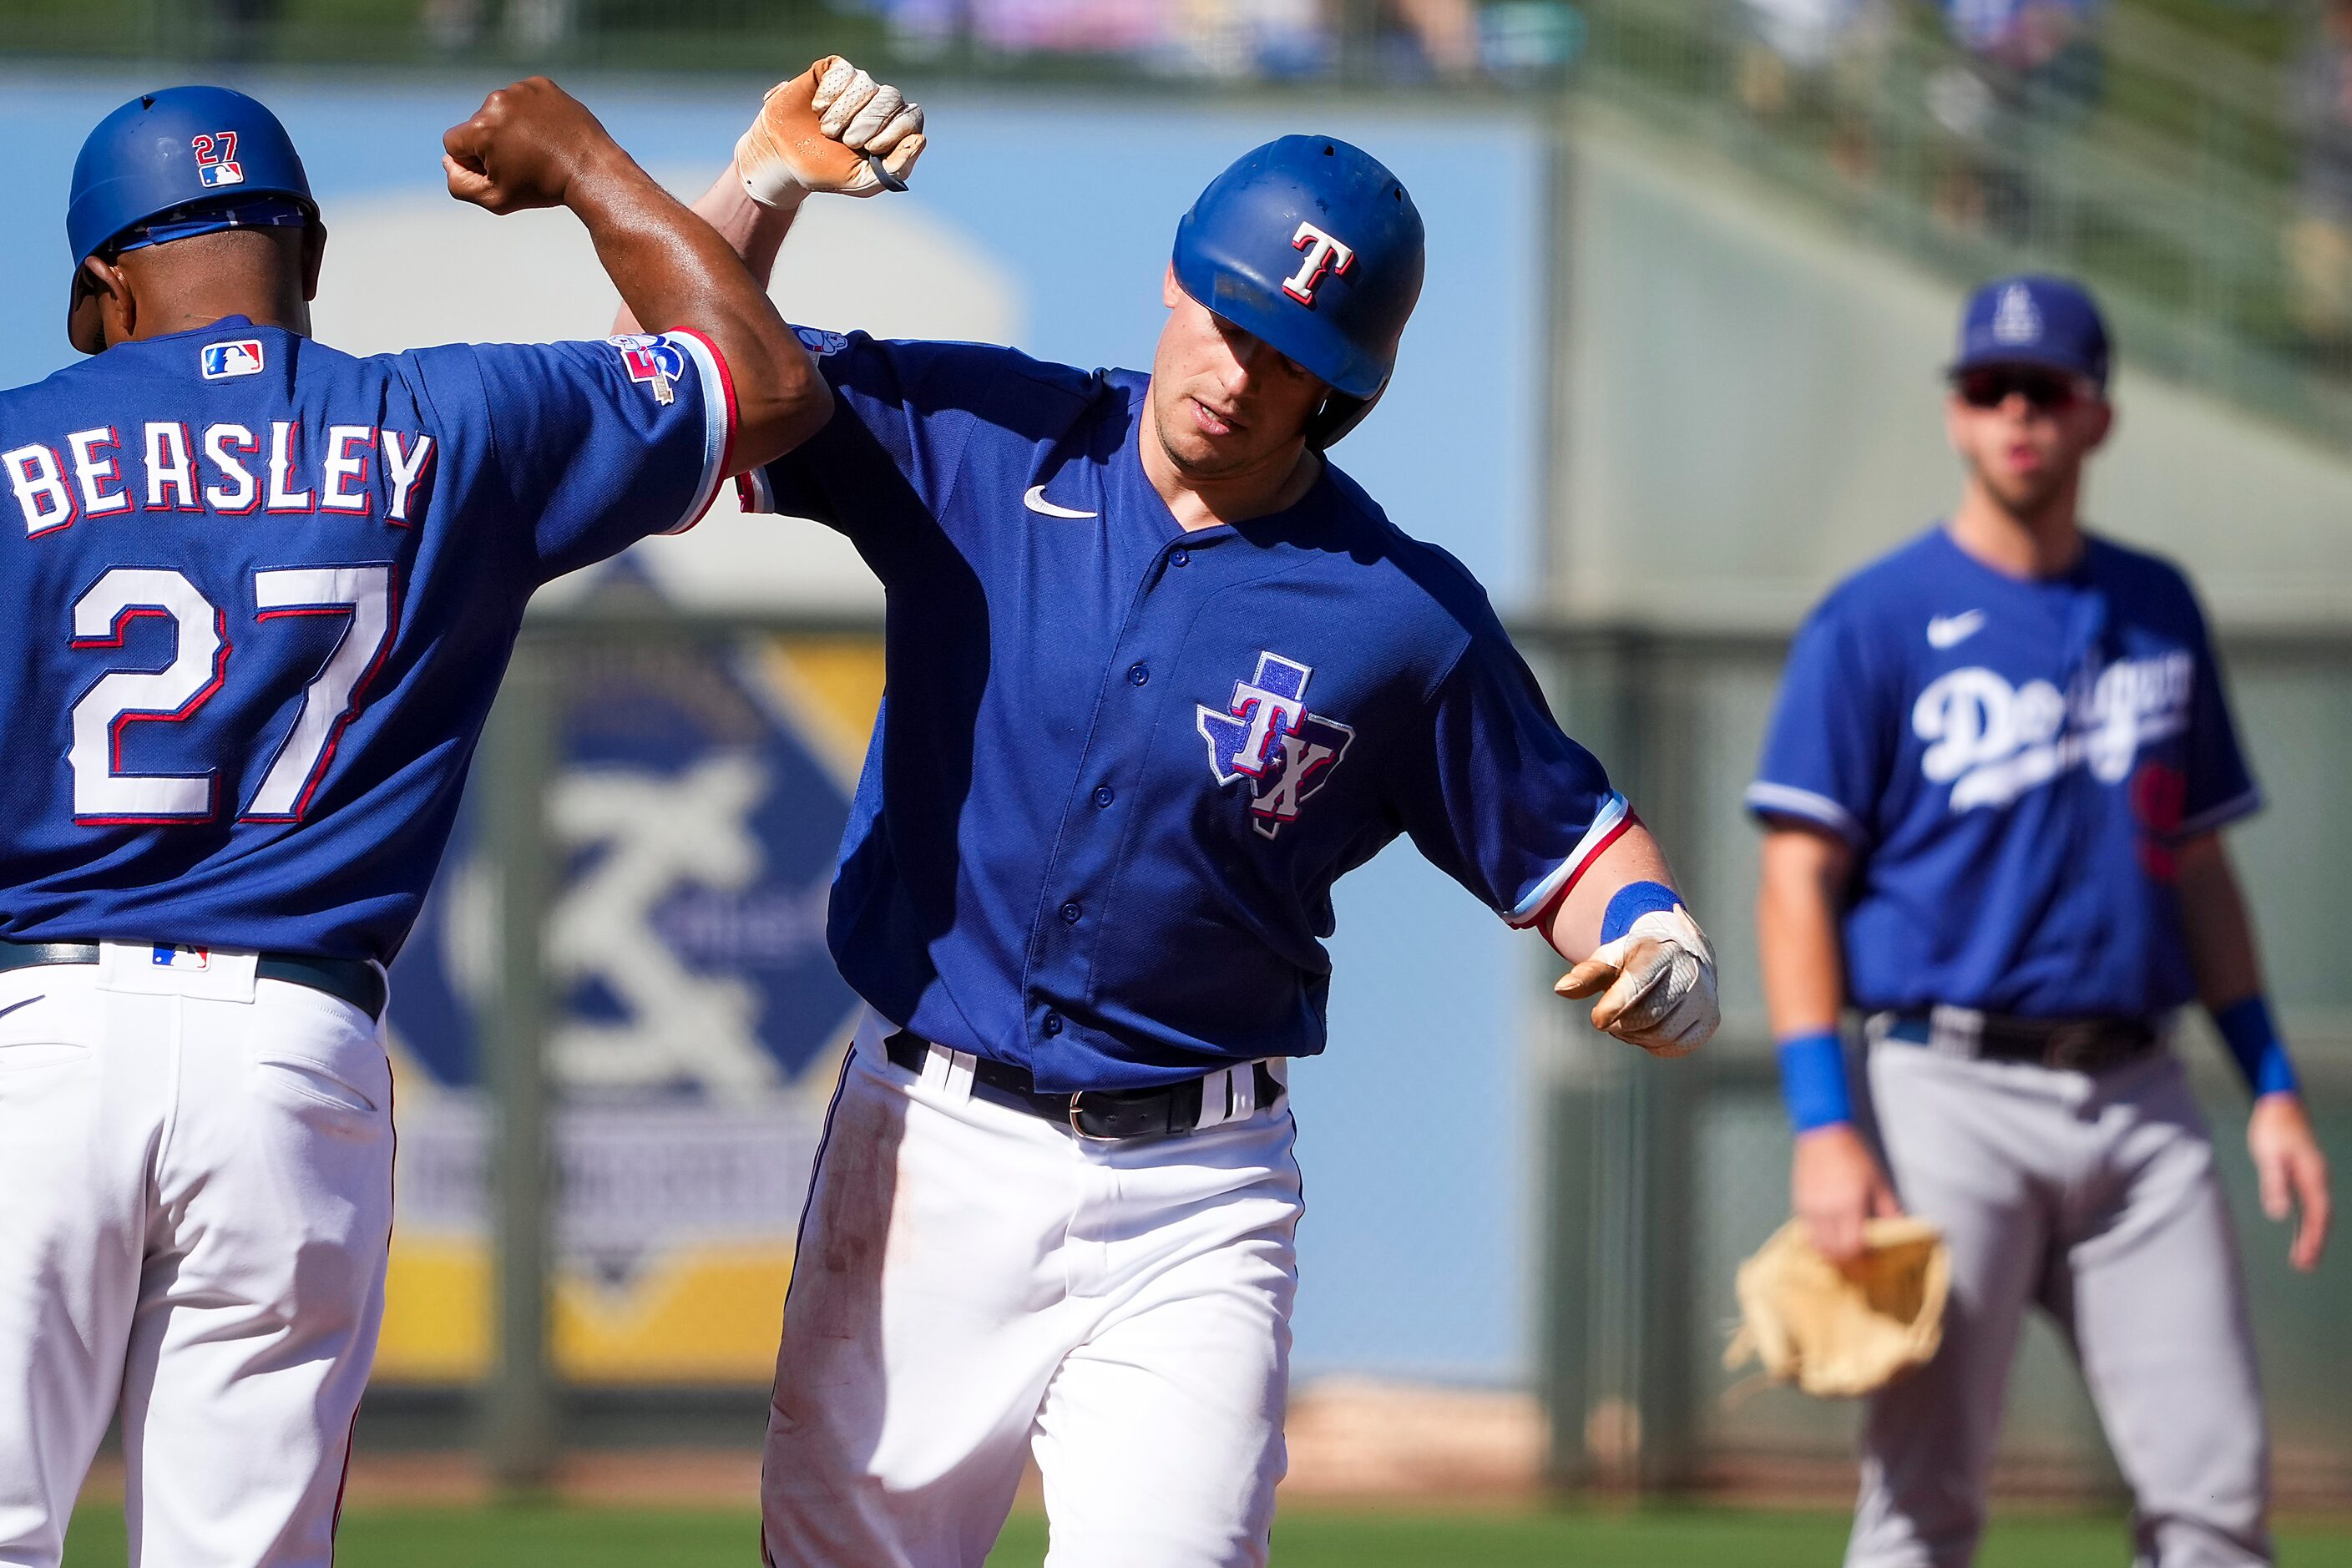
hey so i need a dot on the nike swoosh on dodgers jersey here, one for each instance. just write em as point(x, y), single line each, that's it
point(1950, 631)
point(1036, 501)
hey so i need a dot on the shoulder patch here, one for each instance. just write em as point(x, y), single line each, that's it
point(821, 343)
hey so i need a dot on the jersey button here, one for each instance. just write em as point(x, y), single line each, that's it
point(1179, 558)
point(1052, 1024)
point(1104, 795)
point(1137, 675)
point(1070, 913)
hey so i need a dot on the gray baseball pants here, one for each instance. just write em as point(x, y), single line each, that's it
point(2096, 1199)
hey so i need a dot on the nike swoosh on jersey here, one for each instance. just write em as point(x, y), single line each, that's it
point(1036, 501)
point(1950, 631)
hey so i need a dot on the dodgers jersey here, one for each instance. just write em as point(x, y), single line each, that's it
point(2014, 762)
point(1119, 767)
point(256, 597)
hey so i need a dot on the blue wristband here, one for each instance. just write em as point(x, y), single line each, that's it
point(1813, 1081)
point(2254, 1042)
point(1631, 902)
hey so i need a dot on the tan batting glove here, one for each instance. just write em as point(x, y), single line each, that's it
point(816, 132)
point(1656, 985)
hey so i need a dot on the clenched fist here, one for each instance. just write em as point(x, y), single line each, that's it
point(816, 132)
point(1656, 985)
point(523, 148)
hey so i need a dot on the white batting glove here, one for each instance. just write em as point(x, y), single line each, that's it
point(1656, 985)
point(815, 130)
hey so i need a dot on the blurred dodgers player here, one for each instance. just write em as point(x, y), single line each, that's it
point(1994, 792)
point(1158, 674)
point(256, 599)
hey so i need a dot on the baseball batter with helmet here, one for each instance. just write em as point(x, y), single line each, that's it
point(256, 598)
point(1994, 792)
point(1159, 675)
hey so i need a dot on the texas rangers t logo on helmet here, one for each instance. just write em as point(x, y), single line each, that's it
point(216, 161)
point(1325, 255)
point(1266, 734)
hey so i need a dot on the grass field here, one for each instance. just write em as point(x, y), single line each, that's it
point(1306, 1538)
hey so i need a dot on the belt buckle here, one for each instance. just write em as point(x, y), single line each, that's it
point(1078, 1098)
point(2073, 1047)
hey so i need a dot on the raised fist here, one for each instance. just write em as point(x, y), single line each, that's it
point(816, 132)
point(522, 148)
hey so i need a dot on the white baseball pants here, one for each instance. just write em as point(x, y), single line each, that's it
point(2095, 1198)
point(974, 1284)
point(195, 1206)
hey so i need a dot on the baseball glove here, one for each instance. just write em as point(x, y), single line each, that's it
point(1841, 1331)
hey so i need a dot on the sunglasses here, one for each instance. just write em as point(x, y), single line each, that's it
point(2045, 392)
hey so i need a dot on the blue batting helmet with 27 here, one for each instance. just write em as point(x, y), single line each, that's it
point(202, 158)
point(1313, 247)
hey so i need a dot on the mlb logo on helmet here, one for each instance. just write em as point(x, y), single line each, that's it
point(239, 356)
point(216, 164)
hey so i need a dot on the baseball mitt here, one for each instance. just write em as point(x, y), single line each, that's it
point(1837, 1331)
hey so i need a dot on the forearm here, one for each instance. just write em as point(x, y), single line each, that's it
point(1799, 895)
point(754, 231)
point(1798, 945)
point(2215, 925)
point(675, 270)
point(1573, 928)
point(2219, 932)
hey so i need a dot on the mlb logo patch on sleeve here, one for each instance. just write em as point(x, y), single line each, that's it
point(239, 356)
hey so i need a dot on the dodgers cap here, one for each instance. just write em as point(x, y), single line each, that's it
point(2034, 319)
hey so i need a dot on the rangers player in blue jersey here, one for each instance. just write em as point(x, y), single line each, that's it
point(1994, 792)
point(1159, 675)
point(256, 598)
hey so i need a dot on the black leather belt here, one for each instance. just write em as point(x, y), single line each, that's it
point(1105, 1114)
point(351, 980)
point(2070, 1044)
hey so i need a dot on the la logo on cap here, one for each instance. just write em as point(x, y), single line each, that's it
point(2015, 320)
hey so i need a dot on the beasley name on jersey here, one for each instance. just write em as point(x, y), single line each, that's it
point(261, 595)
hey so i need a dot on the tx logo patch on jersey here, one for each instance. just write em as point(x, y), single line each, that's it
point(1266, 734)
point(1326, 256)
point(238, 356)
point(216, 164)
point(1951, 631)
point(651, 360)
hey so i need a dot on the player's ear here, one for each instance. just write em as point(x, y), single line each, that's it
point(103, 313)
point(2102, 421)
point(314, 255)
point(1168, 291)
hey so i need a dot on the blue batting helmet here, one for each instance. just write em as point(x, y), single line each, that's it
point(203, 148)
point(1310, 246)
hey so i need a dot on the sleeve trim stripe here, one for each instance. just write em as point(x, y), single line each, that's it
point(1616, 817)
point(1785, 800)
point(719, 415)
point(753, 493)
point(2220, 816)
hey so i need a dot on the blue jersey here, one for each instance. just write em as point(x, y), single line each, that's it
point(2014, 762)
point(1119, 765)
point(258, 595)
